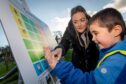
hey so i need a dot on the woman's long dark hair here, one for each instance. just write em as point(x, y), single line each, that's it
point(79, 9)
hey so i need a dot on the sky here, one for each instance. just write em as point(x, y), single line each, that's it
point(56, 13)
point(3, 39)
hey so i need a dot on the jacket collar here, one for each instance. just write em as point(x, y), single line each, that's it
point(120, 45)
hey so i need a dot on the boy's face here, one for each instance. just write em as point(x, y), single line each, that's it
point(102, 36)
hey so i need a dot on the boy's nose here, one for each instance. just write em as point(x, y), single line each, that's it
point(93, 38)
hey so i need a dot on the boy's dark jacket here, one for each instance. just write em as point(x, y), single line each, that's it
point(85, 59)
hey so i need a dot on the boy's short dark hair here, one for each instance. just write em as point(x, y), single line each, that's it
point(109, 17)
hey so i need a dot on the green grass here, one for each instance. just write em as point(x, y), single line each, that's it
point(12, 79)
point(3, 69)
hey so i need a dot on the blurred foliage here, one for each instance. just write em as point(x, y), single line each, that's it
point(68, 56)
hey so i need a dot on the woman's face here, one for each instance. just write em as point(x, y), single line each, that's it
point(79, 21)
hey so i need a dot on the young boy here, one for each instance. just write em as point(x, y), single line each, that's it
point(108, 30)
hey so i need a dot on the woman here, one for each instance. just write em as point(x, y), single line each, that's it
point(85, 53)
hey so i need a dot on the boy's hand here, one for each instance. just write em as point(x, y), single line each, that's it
point(52, 59)
point(57, 53)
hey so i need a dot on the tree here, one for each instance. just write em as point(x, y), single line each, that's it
point(6, 56)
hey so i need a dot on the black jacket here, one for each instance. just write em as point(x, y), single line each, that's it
point(85, 59)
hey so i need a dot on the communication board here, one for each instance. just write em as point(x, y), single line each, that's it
point(27, 36)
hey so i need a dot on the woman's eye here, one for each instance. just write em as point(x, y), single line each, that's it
point(74, 22)
point(83, 20)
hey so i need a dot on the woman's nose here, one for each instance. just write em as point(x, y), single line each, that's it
point(79, 24)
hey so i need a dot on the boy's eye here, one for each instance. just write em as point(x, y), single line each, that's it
point(95, 33)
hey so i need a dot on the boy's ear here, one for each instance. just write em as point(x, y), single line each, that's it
point(117, 30)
